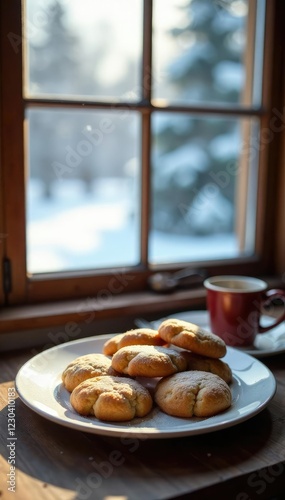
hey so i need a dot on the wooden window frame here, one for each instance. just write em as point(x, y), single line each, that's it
point(45, 289)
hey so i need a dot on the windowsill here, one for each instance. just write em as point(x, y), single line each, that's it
point(30, 325)
point(146, 304)
point(47, 325)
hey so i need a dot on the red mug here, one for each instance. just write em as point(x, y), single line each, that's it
point(235, 305)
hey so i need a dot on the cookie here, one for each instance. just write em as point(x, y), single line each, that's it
point(85, 367)
point(212, 365)
point(114, 399)
point(148, 361)
point(193, 393)
point(139, 336)
point(192, 337)
point(111, 345)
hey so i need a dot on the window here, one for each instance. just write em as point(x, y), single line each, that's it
point(135, 137)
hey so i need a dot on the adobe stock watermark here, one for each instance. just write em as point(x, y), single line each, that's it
point(87, 311)
point(39, 20)
point(92, 137)
point(11, 439)
point(248, 327)
point(74, 156)
point(33, 25)
point(221, 180)
point(104, 469)
point(260, 480)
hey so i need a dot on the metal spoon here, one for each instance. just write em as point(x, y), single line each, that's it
point(166, 282)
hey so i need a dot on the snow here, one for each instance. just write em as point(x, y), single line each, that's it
point(225, 147)
point(188, 157)
point(170, 249)
point(210, 209)
point(225, 22)
point(75, 231)
point(78, 230)
point(201, 51)
point(229, 75)
point(180, 123)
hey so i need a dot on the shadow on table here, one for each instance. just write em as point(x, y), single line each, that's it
point(75, 460)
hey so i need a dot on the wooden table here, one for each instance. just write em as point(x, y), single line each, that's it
point(243, 462)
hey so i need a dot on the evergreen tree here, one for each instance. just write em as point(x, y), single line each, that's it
point(53, 57)
point(188, 149)
point(53, 70)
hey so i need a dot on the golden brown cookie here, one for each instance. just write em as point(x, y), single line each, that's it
point(113, 399)
point(111, 345)
point(148, 361)
point(139, 336)
point(192, 337)
point(212, 365)
point(193, 393)
point(85, 367)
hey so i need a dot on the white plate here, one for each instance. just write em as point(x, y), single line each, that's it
point(265, 344)
point(38, 384)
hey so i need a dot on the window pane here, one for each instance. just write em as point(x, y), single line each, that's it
point(83, 206)
point(78, 49)
point(203, 51)
point(204, 183)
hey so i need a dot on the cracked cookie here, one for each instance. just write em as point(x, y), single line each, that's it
point(193, 393)
point(85, 367)
point(212, 365)
point(189, 336)
point(139, 336)
point(148, 361)
point(113, 399)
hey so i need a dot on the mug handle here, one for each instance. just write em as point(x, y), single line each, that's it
point(269, 295)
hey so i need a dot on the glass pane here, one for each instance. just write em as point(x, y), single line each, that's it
point(204, 183)
point(203, 51)
point(83, 203)
point(78, 49)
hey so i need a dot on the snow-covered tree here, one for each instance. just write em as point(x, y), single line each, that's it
point(189, 151)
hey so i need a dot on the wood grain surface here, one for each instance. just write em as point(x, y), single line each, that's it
point(52, 462)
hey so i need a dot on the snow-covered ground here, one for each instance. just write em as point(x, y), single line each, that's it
point(76, 230)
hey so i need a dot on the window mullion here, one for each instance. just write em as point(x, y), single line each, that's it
point(147, 104)
point(146, 129)
point(13, 243)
